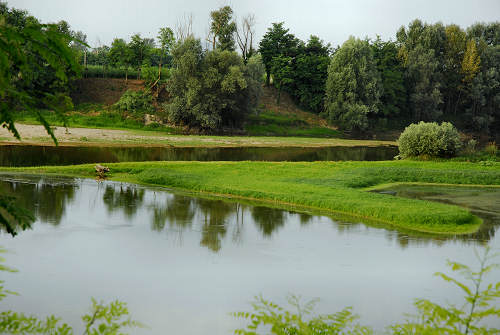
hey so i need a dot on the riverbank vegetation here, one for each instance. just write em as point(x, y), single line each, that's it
point(429, 72)
point(338, 187)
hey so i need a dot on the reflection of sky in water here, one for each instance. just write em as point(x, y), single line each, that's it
point(184, 263)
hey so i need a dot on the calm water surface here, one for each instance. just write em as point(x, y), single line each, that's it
point(184, 263)
point(31, 155)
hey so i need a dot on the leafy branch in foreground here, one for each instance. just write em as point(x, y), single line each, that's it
point(284, 322)
point(433, 318)
point(103, 319)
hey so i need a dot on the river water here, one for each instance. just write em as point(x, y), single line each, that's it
point(184, 263)
point(34, 155)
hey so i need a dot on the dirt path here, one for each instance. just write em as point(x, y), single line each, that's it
point(36, 134)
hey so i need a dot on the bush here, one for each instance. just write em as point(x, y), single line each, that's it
point(429, 139)
point(491, 149)
point(135, 102)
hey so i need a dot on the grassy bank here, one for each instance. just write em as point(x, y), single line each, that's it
point(338, 187)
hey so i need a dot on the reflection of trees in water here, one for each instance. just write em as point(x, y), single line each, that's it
point(215, 213)
point(126, 197)
point(46, 201)
point(268, 219)
point(177, 211)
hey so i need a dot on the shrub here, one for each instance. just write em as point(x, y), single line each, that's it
point(135, 102)
point(491, 149)
point(429, 139)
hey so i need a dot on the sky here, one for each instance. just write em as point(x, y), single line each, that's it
point(333, 21)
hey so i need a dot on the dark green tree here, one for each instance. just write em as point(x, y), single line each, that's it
point(208, 90)
point(277, 41)
point(310, 70)
point(393, 99)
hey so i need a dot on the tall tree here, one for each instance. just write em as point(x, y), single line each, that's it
point(120, 55)
point(141, 49)
point(393, 99)
point(422, 52)
point(166, 41)
point(223, 29)
point(310, 70)
point(353, 86)
point(277, 41)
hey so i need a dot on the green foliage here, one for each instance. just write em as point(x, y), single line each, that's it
point(166, 39)
point(277, 41)
point(223, 29)
point(479, 304)
point(429, 139)
point(353, 86)
point(432, 318)
point(120, 55)
point(281, 68)
point(284, 322)
point(207, 90)
point(254, 71)
point(103, 319)
point(310, 71)
point(36, 62)
point(12, 216)
point(141, 49)
point(135, 102)
point(393, 98)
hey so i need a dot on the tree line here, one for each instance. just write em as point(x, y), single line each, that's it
point(429, 72)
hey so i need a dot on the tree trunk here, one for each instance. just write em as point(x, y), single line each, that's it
point(279, 95)
point(268, 78)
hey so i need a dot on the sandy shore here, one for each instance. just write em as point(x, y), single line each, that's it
point(36, 134)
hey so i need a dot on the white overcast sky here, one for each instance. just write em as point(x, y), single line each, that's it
point(332, 20)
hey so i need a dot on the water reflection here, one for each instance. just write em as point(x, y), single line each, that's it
point(215, 220)
point(268, 219)
point(176, 210)
point(46, 199)
point(127, 198)
point(29, 155)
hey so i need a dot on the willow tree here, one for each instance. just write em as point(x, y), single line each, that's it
point(353, 86)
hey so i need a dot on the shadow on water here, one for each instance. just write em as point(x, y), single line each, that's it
point(29, 155)
point(213, 218)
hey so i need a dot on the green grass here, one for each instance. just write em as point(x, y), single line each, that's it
point(269, 123)
point(337, 187)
